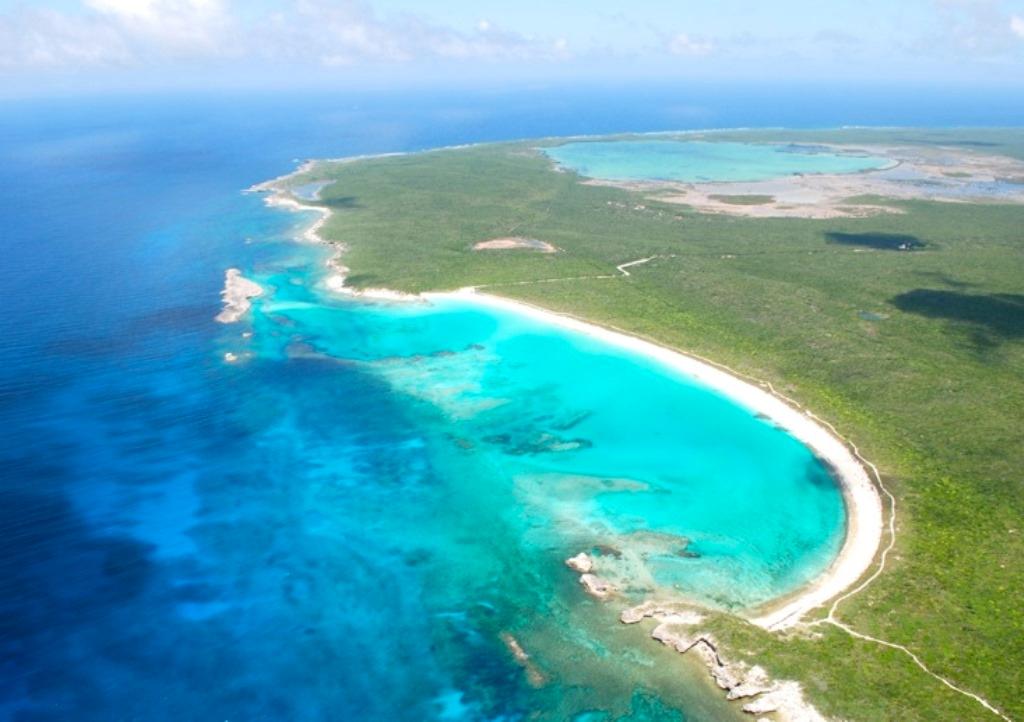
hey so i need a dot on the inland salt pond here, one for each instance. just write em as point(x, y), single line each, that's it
point(700, 161)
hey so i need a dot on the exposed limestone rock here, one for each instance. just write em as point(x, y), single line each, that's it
point(634, 614)
point(581, 563)
point(755, 682)
point(596, 586)
point(680, 640)
point(788, 700)
point(677, 614)
point(727, 676)
point(763, 705)
point(238, 290)
point(677, 628)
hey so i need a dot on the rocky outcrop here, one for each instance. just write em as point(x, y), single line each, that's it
point(678, 628)
point(581, 563)
point(238, 290)
point(787, 700)
point(596, 586)
point(756, 682)
point(680, 614)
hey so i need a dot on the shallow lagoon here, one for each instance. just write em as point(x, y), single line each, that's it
point(591, 446)
point(697, 161)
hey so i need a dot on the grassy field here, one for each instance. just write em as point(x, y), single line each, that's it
point(917, 356)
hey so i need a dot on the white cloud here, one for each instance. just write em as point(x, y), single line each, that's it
point(175, 26)
point(980, 29)
point(47, 39)
point(1017, 26)
point(327, 32)
point(348, 32)
point(683, 44)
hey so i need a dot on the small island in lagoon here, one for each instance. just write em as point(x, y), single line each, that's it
point(662, 518)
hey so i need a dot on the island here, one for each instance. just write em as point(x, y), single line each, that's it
point(859, 289)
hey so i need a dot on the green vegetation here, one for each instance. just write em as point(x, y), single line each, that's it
point(917, 355)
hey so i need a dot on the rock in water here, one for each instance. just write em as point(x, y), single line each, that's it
point(581, 563)
point(596, 586)
point(238, 290)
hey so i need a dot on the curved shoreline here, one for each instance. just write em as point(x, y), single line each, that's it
point(862, 501)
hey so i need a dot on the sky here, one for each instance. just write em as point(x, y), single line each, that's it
point(83, 44)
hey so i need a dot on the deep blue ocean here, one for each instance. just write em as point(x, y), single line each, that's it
point(185, 539)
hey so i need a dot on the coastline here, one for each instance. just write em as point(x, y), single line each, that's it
point(862, 500)
point(278, 200)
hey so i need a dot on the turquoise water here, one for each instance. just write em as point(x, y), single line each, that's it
point(349, 522)
point(521, 444)
point(694, 161)
point(579, 445)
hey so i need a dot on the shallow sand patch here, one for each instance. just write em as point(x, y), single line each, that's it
point(515, 243)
